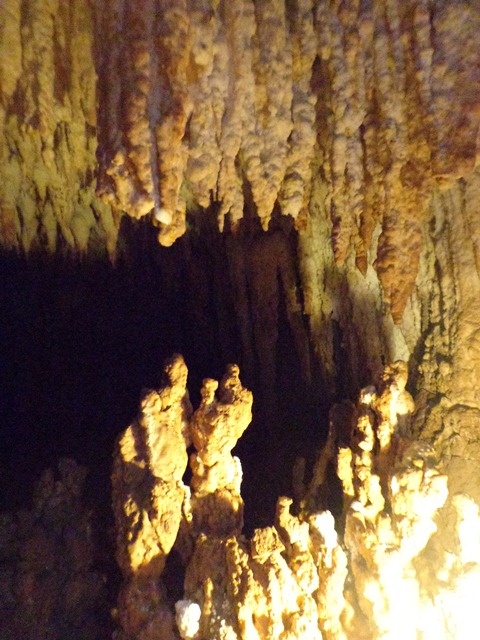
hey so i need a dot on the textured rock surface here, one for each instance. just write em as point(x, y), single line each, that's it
point(48, 120)
point(49, 589)
point(191, 103)
point(264, 277)
point(154, 509)
point(216, 426)
point(149, 501)
point(360, 120)
point(400, 542)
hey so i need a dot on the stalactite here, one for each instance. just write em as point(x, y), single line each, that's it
point(139, 77)
point(48, 121)
point(265, 145)
point(173, 42)
point(263, 276)
point(215, 99)
point(347, 113)
point(11, 70)
point(296, 186)
point(388, 73)
point(211, 57)
point(240, 27)
point(230, 72)
point(377, 153)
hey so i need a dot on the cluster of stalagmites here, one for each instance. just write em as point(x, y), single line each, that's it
point(308, 575)
point(49, 589)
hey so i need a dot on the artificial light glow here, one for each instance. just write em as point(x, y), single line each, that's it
point(188, 619)
point(446, 608)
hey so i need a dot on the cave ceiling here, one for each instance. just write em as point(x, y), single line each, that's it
point(161, 108)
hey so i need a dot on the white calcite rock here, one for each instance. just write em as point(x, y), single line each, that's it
point(187, 617)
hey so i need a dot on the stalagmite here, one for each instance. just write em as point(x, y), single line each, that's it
point(150, 500)
point(216, 426)
point(310, 575)
point(49, 583)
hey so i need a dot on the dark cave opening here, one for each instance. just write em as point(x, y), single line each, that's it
point(80, 338)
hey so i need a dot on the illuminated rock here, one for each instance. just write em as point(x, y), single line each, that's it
point(397, 494)
point(151, 459)
point(216, 426)
point(366, 132)
point(308, 576)
point(394, 404)
point(148, 500)
point(48, 125)
point(187, 619)
point(197, 104)
point(332, 564)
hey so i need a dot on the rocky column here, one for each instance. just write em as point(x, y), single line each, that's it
point(149, 499)
point(216, 426)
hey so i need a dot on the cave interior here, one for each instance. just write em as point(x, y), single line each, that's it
point(290, 187)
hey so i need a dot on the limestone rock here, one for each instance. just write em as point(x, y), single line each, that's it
point(353, 113)
point(359, 120)
point(48, 124)
point(49, 587)
point(154, 509)
point(216, 426)
point(148, 492)
point(400, 541)
point(365, 132)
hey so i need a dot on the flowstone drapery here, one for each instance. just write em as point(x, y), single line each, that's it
point(308, 576)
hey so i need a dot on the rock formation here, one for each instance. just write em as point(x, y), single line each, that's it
point(188, 103)
point(308, 576)
point(49, 586)
point(48, 118)
point(149, 500)
point(357, 120)
point(154, 509)
point(216, 426)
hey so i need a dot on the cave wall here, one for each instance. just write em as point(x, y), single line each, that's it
point(357, 120)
